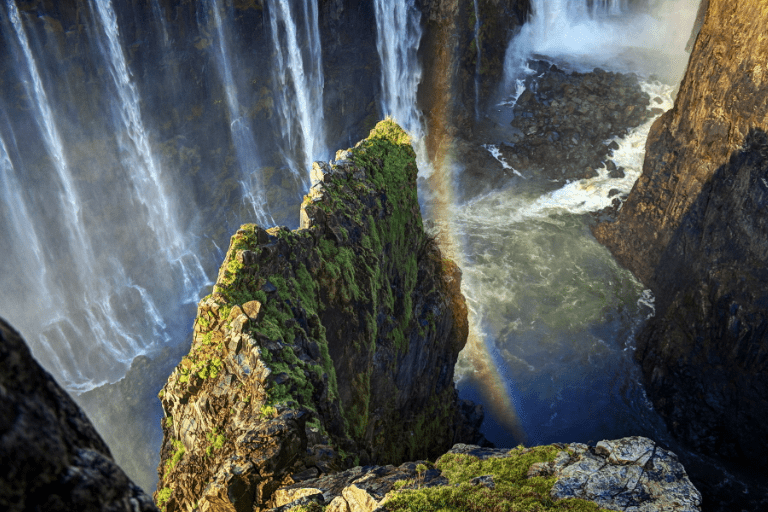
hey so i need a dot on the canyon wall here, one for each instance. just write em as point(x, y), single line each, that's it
point(695, 230)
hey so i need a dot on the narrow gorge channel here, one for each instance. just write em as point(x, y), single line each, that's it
point(136, 137)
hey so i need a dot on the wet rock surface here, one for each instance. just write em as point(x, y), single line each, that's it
point(53, 458)
point(631, 474)
point(563, 121)
point(320, 348)
point(560, 130)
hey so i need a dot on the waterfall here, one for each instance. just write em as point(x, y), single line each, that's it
point(398, 34)
point(298, 74)
point(240, 128)
point(140, 163)
point(584, 34)
point(93, 294)
point(478, 46)
point(31, 260)
point(64, 226)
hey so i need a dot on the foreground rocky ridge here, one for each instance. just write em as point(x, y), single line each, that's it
point(695, 229)
point(53, 458)
point(630, 474)
point(320, 348)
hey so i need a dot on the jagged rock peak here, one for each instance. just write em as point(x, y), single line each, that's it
point(319, 348)
point(53, 458)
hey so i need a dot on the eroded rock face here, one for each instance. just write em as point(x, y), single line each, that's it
point(319, 348)
point(695, 229)
point(53, 458)
point(630, 474)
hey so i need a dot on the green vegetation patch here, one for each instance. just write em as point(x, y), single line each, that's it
point(162, 497)
point(178, 453)
point(216, 441)
point(513, 491)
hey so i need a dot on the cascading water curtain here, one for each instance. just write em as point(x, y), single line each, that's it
point(298, 74)
point(91, 239)
point(145, 173)
point(397, 40)
point(243, 139)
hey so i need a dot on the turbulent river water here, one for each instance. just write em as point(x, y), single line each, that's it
point(121, 185)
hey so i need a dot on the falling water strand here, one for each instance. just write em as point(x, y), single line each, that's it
point(91, 295)
point(242, 136)
point(397, 40)
point(142, 167)
point(27, 240)
point(478, 47)
point(299, 82)
point(50, 133)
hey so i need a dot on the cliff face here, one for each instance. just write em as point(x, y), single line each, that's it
point(321, 348)
point(695, 230)
point(53, 458)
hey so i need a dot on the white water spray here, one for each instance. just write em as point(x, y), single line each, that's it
point(607, 34)
point(397, 40)
point(299, 81)
point(92, 294)
point(26, 239)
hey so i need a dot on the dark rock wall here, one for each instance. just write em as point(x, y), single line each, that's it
point(449, 56)
point(694, 230)
point(322, 348)
point(53, 458)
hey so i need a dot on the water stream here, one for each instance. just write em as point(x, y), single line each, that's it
point(298, 70)
point(239, 125)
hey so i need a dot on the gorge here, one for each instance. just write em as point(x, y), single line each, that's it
point(137, 137)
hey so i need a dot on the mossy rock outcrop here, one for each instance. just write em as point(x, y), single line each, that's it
point(320, 348)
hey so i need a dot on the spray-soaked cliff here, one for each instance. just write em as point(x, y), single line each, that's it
point(695, 229)
point(320, 348)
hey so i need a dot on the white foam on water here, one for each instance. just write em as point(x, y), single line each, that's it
point(593, 194)
point(496, 153)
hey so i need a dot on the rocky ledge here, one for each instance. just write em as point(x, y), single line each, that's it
point(631, 474)
point(321, 348)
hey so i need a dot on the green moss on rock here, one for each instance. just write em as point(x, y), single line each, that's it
point(329, 320)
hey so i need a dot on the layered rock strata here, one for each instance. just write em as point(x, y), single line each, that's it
point(319, 348)
point(630, 474)
point(53, 458)
point(695, 230)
